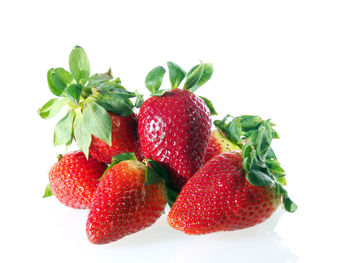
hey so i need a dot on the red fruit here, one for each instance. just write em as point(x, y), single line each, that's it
point(218, 143)
point(73, 179)
point(124, 204)
point(174, 130)
point(219, 198)
point(124, 139)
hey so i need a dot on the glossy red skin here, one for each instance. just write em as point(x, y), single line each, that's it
point(219, 198)
point(174, 130)
point(124, 139)
point(73, 179)
point(123, 204)
point(213, 149)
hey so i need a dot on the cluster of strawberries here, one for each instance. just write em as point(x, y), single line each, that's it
point(129, 166)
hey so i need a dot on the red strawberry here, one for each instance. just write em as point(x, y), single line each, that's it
point(218, 143)
point(99, 113)
point(124, 139)
point(74, 179)
point(124, 202)
point(219, 198)
point(234, 190)
point(174, 128)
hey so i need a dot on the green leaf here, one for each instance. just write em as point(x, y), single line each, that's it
point(193, 77)
point(100, 77)
point(74, 92)
point(234, 130)
point(81, 134)
point(119, 158)
point(51, 108)
point(289, 205)
point(209, 105)
point(55, 90)
point(176, 74)
point(116, 104)
point(47, 191)
point(154, 79)
point(263, 140)
point(160, 171)
point(158, 93)
point(152, 177)
point(79, 65)
point(60, 78)
point(207, 73)
point(64, 129)
point(249, 122)
point(258, 173)
point(139, 100)
point(246, 155)
point(98, 122)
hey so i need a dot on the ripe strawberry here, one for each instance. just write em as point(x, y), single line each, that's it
point(124, 139)
point(74, 179)
point(174, 126)
point(100, 112)
point(129, 198)
point(218, 143)
point(230, 192)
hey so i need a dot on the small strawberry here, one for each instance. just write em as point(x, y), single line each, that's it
point(232, 192)
point(129, 198)
point(74, 179)
point(218, 143)
point(174, 126)
point(99, 112)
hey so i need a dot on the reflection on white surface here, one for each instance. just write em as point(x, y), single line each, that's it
point(255, 244)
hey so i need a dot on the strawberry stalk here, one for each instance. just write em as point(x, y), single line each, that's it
point(254, 136)
point(88, 99)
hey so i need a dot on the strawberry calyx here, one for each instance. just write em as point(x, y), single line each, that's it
point(88, 99)
point(197, 76)
point(254, 136)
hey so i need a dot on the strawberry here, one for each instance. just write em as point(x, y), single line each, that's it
point(99, 112)
point(74, 179)
point(233, 190)
point(174, 126)
point(129, 198)
point(218, 143)
point(124, 139)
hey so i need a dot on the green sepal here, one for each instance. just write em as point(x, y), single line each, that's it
point(172, 193)
point(206, 75)
point(74, 91)
point(119, 158)
point(60, 79)
point(64, 129)
point(289, 205)
point(97, 121)
point(193, 76)
point(176, 74)
point(116, 104)
point(154, 79)
point(139, 99)
point(263, 140)
point(258, 173)
point(249, 122)
point(81, 134)
point(209, 105)
point(79, 65)
point(51, 108)
point(158, 93)
point(55, 90)
point(48, 191)
point(97, 78)
point(152, 177)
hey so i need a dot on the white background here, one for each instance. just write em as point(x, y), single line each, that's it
point(284, 60)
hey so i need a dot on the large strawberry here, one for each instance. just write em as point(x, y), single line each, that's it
point(74, 179)
point(174, 126)
point(129, 198)
point(233, 190)
point(99, 111)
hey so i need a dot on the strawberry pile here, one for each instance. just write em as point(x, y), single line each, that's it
point(136, 156)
